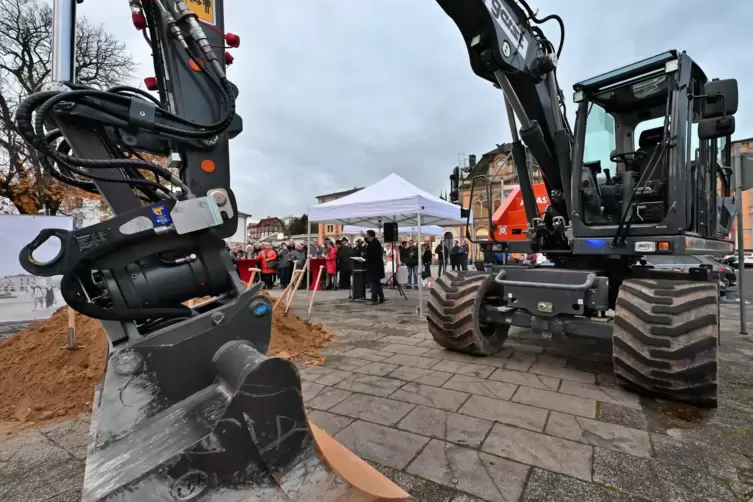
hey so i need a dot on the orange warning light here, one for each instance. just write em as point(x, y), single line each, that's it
point(192, 63)
point(207, 166)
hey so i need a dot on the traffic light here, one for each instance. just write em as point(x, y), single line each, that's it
point(454, 185)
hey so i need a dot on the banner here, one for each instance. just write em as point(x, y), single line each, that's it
point(26, 297)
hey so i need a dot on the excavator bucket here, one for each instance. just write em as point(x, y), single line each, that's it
point(199, 412)
point(510, 217)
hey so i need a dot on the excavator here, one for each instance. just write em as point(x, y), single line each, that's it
point(645, 171)
point(192, 408)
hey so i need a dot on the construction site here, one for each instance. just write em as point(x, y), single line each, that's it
point(582, 335)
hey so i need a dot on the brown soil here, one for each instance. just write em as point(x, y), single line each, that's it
point(42, 382)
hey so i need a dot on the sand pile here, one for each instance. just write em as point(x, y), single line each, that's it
point(41, 382)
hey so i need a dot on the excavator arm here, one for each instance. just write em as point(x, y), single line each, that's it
point(190, 406)
point(507, 47)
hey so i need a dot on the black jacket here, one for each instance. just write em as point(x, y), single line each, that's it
point(374, 260)
point(442, 253)
point(426, 257)
point(411, 257)
point(344, 263)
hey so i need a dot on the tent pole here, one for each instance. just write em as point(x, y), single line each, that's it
point(308, 254)
point(421, 282)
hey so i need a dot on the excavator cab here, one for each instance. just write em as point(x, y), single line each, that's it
point(637, 140)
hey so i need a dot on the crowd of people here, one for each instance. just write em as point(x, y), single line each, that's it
point(277, 262)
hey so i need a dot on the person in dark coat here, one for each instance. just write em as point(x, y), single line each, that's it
point(464, 254)
point(442, 256)
point(426, 261)
point(411, 261)
point(374, 267)
point(346, 264)
point(455, 256)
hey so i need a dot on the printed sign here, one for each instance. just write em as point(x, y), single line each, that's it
point(161, 215)
point(204, 10)
point(505, 21)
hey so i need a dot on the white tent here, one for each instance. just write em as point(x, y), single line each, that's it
point(430, 230)
point(391, 199)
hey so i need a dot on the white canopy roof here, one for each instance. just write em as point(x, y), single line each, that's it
point(428, 230)
point(391, 199)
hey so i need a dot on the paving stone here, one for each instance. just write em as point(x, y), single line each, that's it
point(34, 456)
point(613, 395)
point(333, 378)
point(449, 355)
point(352, 364)
point(462, 497)
point(523, 347)
point(698, 456)
point(328, 397)
point(552, 360)
point(527, 379)
point(505, 412)
point(554, 401)
point(518, 361)
point(368, 354)
point(27, 490)
point(374, 409)
point(315, 372)
point(480, 386)
point(540, 450)
point(65, 477)
point(420, 375)
point(547, 486)
point(446, 425)
point(9, 447)
point(430, 343)
point(405, 340)
point(331, 423)
point(621, 415)
point(411, 350)
point(370, 384)
point(604, 435)
point(463, 368)
point(69, 496)
point(414, 361)
point(486, 476)
point(627, 473)
point(683, 483)
point(426, 395)
point(375, 368)
point(381, 444)
point(421, 490)
point(310, 390)
point(563, 373)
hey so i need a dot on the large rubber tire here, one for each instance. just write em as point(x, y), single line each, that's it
point(452, 312)
point(666, 335)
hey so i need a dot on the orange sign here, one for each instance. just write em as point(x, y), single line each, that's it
point(204, 10)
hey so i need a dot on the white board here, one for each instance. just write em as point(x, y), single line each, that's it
point(26, 297)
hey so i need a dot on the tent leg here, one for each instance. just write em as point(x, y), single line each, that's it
point(308, 254)
point(421, 282)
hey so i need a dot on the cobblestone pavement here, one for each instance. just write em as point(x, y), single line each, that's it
point(542, 421)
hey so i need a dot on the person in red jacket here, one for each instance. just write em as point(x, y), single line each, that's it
point(268, 265)
point(331, 265)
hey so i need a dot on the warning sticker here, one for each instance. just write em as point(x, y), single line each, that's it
point(161, 215)
point(204, 10)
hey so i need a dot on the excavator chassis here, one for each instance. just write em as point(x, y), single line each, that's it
point(197, 411)
point(664, 330)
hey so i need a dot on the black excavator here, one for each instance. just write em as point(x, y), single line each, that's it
point(190, 406)
point(645, 172)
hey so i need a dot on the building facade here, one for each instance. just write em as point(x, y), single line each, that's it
point(498, 166)
point(331, 230)
point(265, 227)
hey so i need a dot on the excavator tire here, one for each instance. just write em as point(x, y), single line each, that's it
point(665, 340)
point(452, 312)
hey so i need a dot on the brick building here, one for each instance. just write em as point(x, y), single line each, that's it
point(265, 227)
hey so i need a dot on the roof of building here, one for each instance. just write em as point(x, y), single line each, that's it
point(482, 166)
point(342, 193)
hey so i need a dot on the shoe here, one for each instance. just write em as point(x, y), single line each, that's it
point(375, 303)
point(407, 286)
point(382, 300)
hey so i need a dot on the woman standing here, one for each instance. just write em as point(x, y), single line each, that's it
point(426, 261)
point(331, 262)
point(285, 265)
point(268, 265)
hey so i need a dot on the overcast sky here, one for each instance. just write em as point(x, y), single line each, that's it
point(340, 93)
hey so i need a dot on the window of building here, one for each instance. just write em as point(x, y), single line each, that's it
point(330, 228)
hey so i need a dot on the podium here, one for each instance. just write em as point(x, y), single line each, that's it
point(358, 284)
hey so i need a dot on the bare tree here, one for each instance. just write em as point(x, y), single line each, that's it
point(25, 64)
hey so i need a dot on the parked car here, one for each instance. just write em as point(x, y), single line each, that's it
point(731, 259)
point(686, 262)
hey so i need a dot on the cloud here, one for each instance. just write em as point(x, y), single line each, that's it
point(337, 93)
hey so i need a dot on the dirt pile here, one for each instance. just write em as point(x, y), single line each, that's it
point(41, 382)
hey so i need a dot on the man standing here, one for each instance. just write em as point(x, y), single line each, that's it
point(374, 267)
point(411, 261)
point(346, 264)
point(442, 256)
point(464, 253)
